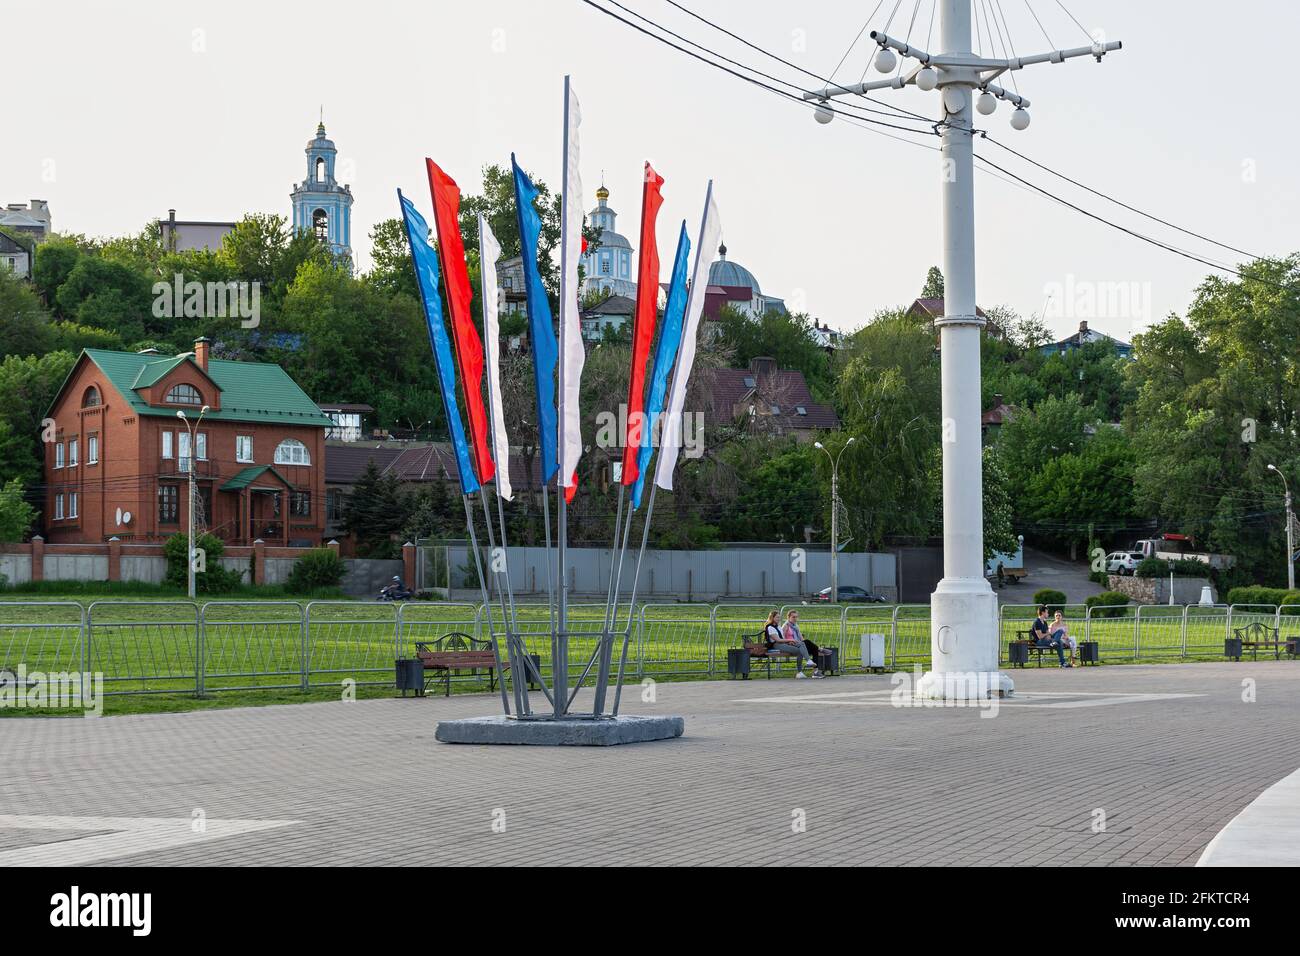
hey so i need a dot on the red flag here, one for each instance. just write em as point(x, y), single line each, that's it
point(643, 327)
point(469, 347)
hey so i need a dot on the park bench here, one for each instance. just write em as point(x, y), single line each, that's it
point(754, 647)
point(456, 652)
point(1026, 640)
point(1256, 635)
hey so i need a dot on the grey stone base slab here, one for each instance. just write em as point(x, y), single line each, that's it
point(606, 732)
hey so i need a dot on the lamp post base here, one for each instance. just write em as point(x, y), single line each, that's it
point(964, 643)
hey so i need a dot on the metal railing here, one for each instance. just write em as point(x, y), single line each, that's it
point(157, 647)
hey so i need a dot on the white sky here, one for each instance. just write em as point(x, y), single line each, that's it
point(122, 118)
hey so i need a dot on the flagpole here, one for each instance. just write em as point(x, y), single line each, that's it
point(636, 578)
point(487, 602)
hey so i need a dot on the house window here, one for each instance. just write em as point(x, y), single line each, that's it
point(169, 499)
point(292, 452)
point(58, 507)
point(184, 395)
point(201, 446)
point(92, 449)
point(604, 265)
point(320, 225)
point(183, 451)
point(244, 448)
point(167, 444)
point(58, 455)
point(72, 452)
point(90, 397)
point(334, 504)
point(300, 505)
point(72, 505)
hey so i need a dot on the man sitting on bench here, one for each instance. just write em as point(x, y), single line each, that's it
point(1043, 636)
point(778, 643)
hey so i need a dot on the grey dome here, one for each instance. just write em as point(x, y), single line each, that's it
point(724, 272)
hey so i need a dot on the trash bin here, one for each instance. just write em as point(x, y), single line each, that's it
point(1018, 653)
point(1089, 652)
point(738, 662)
point(829, 660)
point(410, 675)
point(1232, 648)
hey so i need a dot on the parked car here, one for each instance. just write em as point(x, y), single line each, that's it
point(849, 592)
point(1122, 562)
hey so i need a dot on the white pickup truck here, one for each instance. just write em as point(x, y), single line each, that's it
point(1179, 547)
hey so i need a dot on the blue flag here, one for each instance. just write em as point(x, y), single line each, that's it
point(670, 338)
point(426, 277)
point(541, 332)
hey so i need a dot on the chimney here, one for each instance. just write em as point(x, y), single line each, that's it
point(762, 365)
point(1083, 327)
point(201, 348)
point(997, 400)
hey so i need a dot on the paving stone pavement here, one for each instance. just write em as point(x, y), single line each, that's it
point(367, 784)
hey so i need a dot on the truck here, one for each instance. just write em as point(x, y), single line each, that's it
point(1013, 565)
point(1180, 547)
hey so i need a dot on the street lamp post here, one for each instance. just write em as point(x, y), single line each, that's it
point(835, 517)
point(1290, 531)
point(180, 413)
point(963, 620)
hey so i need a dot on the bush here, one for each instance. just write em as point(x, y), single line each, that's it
point(1108, 603)
point(1054, 599)
point(318, 568)
point(214, 579)
point(1255, 594)
point(1099, 577)
point(1182, 568)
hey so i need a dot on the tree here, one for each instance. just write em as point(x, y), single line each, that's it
point(27, 389)
point(782, 492)
point(374, 513)
point(933, 288)
point(786, 337)
point(16, 515)
point(24, 323)
point(262, 248)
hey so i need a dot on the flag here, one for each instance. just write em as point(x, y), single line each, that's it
point(572, 351)
point(489, 252)
point(469, 348)
point(670, 439)
point(670, 337)
point(540, 332)
point(426, 277)
point(643, 325)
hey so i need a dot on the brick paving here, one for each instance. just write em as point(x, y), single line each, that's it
point(367, 784)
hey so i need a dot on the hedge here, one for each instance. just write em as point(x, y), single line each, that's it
point(1054, 599)
point(1182, 568)
point(1255, 594)
point(1108, 603)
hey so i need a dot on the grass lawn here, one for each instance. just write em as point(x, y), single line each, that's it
point(148, 642)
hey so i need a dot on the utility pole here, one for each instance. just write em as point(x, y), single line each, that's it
point(193, 456)
point(1290, 531)
point(835, 517)
point(964, 643)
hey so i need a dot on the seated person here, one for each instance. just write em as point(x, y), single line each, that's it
point(1043, 636)
point(1060, 632)
point(778, 643)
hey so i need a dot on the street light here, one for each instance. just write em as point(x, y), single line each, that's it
point(1290, 537)
point(180, 413)
point(835, 517)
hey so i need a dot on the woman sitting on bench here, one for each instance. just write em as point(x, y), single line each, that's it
point(1061, 633)
point(778, 643)
point(1045, 637)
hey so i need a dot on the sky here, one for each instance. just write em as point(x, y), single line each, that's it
point(132, 108)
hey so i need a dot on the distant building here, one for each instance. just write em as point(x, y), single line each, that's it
point(14, 257)
point(611, 314)
point(826, 337)
point(731, 284)
point(192, 235)
point(348, 419)
point(765, 399)
point(608, 266)
point(27, 219)
point(320, 204)
point(997, 416)
point(1087, 336)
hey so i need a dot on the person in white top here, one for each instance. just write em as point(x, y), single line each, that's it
point(778, 642)
point(1060, 632)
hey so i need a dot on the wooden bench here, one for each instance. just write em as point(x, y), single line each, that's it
point(756, 645)
point(1256, 635)
point(458, 651)
point(1033, 647)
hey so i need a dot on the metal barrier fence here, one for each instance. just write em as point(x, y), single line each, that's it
point(156, 647)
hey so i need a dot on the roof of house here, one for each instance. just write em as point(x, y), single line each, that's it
point(784, 389)
point(999, 414)
point(933, 307)
point(1084, 336)
point(250, 391)
point(248, 475)
point(412, 462)
point(614, 305)
point(9, 245)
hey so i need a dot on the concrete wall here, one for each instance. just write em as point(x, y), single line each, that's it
point(692, 575)
point(1156, 590)
point(16, 568)
point(75, 567)
point(145, 568)
point(365, 576)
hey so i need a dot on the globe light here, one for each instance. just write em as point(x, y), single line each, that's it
point(823, 114)
point(987, 103)
point(1020, 119)
point(886, 61)
point(927, 79)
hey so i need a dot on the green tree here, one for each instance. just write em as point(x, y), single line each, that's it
point(24, 323)
point(16, 515)
point(786, 337)
point(933, 288)
point(374, 513)
point(27, 388)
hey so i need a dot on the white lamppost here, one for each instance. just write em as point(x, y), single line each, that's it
point(835, 517)
point(180, 413)
point(1290, 534)
point(963, 609)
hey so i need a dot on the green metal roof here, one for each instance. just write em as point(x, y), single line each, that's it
point(246, 477)
point(250, 391)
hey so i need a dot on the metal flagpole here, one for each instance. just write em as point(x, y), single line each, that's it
point(487, 602)
point(636, 578)
point(511, 655)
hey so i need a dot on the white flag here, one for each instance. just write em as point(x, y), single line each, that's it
point(670, 440)
point(489, 252)
point(572, 353)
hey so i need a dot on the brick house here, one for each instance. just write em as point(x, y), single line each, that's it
point(119, 461)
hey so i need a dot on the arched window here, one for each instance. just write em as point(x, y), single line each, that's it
point(184, 395)
point(320, 169)
point(90, 397)
point(292, 452)
point(320, 224)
